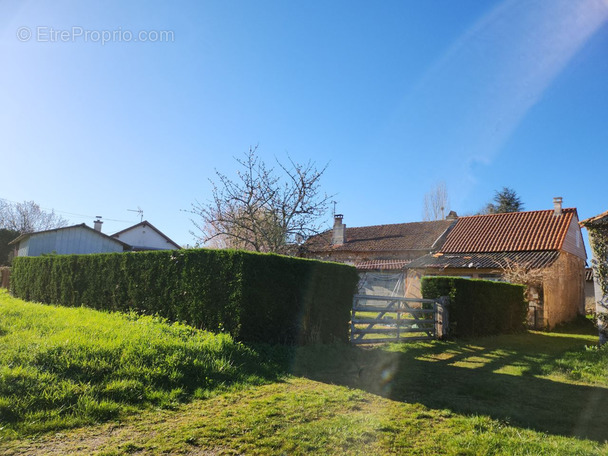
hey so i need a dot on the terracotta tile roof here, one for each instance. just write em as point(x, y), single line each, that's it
point(484, 260)
point(509, 232)
point(382, 264)
point(384, 238)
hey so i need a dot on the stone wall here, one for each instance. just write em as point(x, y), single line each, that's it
point(564, 290)
point(560, 299)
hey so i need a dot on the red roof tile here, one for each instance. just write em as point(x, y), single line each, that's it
point(509, 232)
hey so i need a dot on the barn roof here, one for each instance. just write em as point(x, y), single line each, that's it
point(495, 260)
point(509, 232)
point(384, 238)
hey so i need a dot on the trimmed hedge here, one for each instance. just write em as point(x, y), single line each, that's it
point(479, 307)
point(255, 297)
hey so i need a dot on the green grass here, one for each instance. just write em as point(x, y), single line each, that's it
point(62, 367)
point(524, 394)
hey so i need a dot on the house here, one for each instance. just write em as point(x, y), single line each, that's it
point(145, 236)
point(392, 259)
point(381, 252)
point(549, 241)
point(82, 239)
point(70, 239)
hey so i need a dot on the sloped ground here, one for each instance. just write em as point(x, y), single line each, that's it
point(533, 393)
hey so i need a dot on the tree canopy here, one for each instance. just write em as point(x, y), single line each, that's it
point(505, 200)
point(20, 218)
point(263, 209)
point(436, 203)
point(28, 217)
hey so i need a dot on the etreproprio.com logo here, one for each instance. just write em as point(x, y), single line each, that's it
point(46, 34)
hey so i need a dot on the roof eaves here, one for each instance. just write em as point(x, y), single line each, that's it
point(600, 219)
point(26, 235)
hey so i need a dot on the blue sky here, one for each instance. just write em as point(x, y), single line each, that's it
point(396, 96)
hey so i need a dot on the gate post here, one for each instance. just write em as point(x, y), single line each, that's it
point(441, 317)
point(352, 319)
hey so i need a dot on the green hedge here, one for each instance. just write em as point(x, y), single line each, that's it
point(254, 297)
point(479, 307)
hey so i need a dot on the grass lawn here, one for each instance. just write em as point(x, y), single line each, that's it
point(532, 393)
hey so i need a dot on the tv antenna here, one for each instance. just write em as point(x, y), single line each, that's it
point(140, 211)
point(334, 202)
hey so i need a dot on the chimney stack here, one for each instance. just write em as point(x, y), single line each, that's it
point(339, 232)
point(452, 216)
point(557, 205)
point(97, 223)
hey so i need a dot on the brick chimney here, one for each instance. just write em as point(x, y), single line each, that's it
point(97, 223)
point(452, 216)
point(557, 205)
point(339, 232)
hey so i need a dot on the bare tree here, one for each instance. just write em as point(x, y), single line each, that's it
point(533, 279)
point(436, 203)
point(523, 274)
point(28, 217)
point(262, 210)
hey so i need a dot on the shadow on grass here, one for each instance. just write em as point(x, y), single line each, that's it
point(479, 378)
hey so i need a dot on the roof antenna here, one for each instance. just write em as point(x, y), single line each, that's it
point(334, 214)
point(140, 211)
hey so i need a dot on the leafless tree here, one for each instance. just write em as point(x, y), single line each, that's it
point(436, 203)
point(523, 274)
point(28, 217)
point(263, 209)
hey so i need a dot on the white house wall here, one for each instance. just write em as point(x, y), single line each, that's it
point(145, 237)
point(573, 242)
point(68, 241)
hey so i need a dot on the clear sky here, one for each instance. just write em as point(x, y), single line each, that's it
point(395, 95)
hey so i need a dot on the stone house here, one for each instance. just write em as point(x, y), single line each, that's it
point(548, 241)
point(392, 259)
point(380, 252)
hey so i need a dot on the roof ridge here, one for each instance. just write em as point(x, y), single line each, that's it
point(511, 231)
point(395, 224)
point(569, 209)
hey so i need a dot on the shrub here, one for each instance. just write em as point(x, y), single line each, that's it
point(254, 297)
point(479, 307)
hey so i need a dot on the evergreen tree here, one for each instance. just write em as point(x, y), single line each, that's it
point(505, 200)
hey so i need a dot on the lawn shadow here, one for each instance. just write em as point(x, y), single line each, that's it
point(476, 379)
